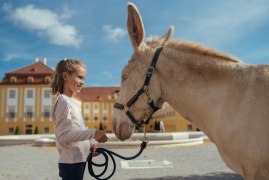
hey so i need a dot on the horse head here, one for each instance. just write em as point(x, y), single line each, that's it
point(133, 104)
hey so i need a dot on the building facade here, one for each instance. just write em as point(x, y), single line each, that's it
point(97, 106)
point(171, 121)
point(25, 102)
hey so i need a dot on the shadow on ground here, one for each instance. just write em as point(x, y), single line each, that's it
point(212, 176)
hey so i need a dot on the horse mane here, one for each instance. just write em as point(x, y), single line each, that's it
point(192, 48)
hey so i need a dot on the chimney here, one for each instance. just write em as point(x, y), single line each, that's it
point(36, 60)
point(45, 61)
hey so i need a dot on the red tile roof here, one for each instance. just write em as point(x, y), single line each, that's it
point(37, 70)
point(98, 93)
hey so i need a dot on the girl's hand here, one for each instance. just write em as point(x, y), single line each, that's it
point(93, 150)
point(100, 136)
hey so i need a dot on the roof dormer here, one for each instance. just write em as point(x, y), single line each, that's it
point(13, 79)
point(30, 79)
point(47, 79)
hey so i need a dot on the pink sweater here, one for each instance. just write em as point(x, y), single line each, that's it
point(72, 136)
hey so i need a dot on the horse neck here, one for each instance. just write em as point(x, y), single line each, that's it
point(197, 85)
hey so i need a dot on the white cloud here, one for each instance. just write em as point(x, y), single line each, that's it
point(9, 57)
point(108, 74)
point(46, 24)
point(114, 34)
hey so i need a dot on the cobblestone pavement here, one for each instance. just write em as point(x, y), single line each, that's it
point(197, 162)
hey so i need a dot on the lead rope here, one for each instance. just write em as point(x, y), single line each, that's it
point(105, 153)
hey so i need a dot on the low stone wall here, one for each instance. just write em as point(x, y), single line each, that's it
point(23, 139)
point(155, 139)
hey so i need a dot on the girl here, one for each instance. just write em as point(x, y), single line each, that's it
point(72, 136)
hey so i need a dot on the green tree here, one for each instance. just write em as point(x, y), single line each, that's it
point(17, 130)
point(36, 130)
point(101, 126)
point(155, 125)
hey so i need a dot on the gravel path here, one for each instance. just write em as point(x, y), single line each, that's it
point(197, 162)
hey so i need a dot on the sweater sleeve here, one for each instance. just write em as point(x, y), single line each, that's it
point(65, 132)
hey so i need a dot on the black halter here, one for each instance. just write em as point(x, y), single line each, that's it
point(143, 89)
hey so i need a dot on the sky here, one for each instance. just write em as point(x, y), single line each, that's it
point(94, 31)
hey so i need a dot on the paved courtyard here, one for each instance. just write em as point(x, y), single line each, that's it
point(197, 162)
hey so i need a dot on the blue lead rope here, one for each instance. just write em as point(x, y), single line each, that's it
point(105, 153)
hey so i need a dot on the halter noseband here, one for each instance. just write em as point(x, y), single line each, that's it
point(143, 89)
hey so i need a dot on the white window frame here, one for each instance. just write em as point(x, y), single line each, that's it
point(46, 94)
point(28, 94)
point(11, 93)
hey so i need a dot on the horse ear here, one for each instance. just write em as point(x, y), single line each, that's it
point(168, 36)
point(135, 26)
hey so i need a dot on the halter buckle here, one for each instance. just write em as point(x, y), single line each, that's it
point(145, 139)
point(150, 71)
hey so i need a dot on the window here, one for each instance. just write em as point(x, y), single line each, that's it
point(86, 118)
point(86, 106)
point(116, 94)
point(104, 107)
point(11, 112)
point(10, 130)
point(189, 127)
point(95, 117)
point(29, 93)
point(96, 106)
point(12, 94)
point(95, 111)
point(28, 126)
point(29, 112)
point(13, 79)
point(46, 93)
point(47, 79)
point(11, 115)
point(46, 130)
point(104, 117)
point(104, 111)
point(30, 79)
point(46, 112)
point(86, 111)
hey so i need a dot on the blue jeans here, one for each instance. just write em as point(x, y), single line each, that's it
point(72, 171)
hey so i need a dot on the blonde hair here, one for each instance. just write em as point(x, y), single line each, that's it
point(67, 65)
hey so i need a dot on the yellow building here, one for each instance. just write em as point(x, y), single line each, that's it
point(97, 106)
point(172, 120)
point(25, 102)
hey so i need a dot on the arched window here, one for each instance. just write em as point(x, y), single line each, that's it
point(47, 79)
point(13, 79)
point(30, 79)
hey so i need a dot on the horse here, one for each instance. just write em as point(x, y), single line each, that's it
point(226, 98)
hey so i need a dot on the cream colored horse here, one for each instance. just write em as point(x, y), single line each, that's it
point(227, 99)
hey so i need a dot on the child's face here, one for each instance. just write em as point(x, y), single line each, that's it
point(74, 82)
